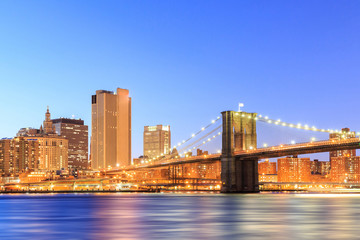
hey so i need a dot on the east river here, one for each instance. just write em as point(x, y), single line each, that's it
point(180, 216)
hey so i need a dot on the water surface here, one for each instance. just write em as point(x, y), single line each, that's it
point(180, 216)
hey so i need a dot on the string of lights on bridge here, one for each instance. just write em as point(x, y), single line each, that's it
point(278, 122)
point(260, 118)
point(209, 139)
point(196, 134)
point(192, 137)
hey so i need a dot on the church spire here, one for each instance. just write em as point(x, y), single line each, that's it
point(48, 127)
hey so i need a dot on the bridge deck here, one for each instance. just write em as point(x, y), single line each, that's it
point(260, 153)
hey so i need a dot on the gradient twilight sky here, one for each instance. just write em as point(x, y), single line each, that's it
point(183, 61)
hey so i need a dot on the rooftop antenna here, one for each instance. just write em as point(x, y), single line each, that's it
point(240, 106)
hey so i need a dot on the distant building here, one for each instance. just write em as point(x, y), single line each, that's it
point(294, 169)
point(345, 133)
point(76, 133)
point(27, 131)
point(157, 141)
point(320, 167)
point(267, 167)
point(200, 152)
point(267, 171)
point(53, 153)
point(139, 160)
point(111, 129)
point(53, 149)
point(317, 178)
point(344, 163)
point(17, 155)
point(31, 177)
point(268, 177)
point(345, 169)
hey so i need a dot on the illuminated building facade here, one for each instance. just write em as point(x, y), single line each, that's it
point(76, 133)
point(17, 155)
point(267, 171)
point(267, 167)
point(53, 149)
point(5, 153)
point(268, 177)
point(27, 131)
point(138, 160)
point(344, 163)
point(345, 133)
point(53, 152)
point(293, 169)
point(111, 129)
point(345, 169)
point(200, 152)
point(31, 177)
point(320, 167)
point(157, 141)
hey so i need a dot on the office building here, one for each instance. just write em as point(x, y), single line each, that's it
point(157, 141)
point(293, 169)
point(111, 129)
point(76, 133)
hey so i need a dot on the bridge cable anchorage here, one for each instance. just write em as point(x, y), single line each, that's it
point(266, 119)
point(188, 147)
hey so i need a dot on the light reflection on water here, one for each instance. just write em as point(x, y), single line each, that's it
point(180, 216)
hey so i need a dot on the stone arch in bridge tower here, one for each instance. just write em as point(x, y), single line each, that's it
point(239, 129)
point(239, 133)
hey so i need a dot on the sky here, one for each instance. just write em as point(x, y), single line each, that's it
point(183, 62)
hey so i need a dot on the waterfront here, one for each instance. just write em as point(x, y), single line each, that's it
point(179, 216)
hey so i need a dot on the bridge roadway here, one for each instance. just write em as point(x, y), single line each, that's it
point(260, 153)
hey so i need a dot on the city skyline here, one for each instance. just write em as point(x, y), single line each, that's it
point(283, 61)
point(179, 119)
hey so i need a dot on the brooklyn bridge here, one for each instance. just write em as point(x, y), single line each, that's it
point(235, 168)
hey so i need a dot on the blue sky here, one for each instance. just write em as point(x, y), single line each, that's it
point(183, 61)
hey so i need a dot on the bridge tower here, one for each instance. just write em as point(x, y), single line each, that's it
point(239, 133)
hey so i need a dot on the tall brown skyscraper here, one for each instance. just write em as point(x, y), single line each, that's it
point(76, 132)
point(111, 129)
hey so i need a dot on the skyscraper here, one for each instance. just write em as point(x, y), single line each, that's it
point(157, 140)
point(111, 129)
point(76, 132)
